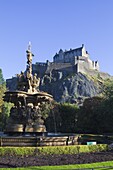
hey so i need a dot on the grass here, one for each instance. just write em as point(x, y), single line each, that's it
point(95, 166)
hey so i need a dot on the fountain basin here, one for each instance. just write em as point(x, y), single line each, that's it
point(25, 97)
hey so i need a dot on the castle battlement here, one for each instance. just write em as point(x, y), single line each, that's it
point(78, 56)
point(74, 60)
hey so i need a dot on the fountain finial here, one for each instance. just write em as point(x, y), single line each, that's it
point(29, 46)
point(29, 54)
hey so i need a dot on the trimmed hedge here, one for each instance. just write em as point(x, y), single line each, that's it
point(74, 149)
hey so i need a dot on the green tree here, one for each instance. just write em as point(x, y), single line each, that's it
point(90, 115)
point(107, 111)
point(5, 111)
point(69, 116)
point(96, 114)
point(62, 118)
point(53, 121)
point(108, 89)
point(2, 89)
point(4, 106)
point(2, 81)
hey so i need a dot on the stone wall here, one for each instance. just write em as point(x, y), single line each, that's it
point(68, 56)
point(41, 70)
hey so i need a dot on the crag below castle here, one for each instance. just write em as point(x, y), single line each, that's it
point(73, 88)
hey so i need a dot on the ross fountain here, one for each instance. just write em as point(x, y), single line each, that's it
point(25, 115)
point(25, 126)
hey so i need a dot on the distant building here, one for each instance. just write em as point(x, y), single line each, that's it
point(78, 57)
point(65, 62)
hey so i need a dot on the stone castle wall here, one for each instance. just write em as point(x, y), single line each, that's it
point(50, 67)
point(81, 66)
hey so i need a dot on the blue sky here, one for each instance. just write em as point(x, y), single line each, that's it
point(51, 25)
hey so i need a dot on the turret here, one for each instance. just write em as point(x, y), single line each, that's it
point(96, 65)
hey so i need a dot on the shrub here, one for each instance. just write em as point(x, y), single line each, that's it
point(17, 151)
point(74, 149)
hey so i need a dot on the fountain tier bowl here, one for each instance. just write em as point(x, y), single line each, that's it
point(25, 97)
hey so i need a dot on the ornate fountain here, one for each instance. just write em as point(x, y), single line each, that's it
point(29, 102)
point(29, 112)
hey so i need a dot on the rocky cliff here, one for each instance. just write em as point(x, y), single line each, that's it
point(72, 88)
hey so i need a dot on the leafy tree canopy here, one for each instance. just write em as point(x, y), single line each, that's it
point(4, 106)
point(108, 89)
point(1, 78)
point(2, 88)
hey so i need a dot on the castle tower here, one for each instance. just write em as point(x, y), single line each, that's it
point(97, 66)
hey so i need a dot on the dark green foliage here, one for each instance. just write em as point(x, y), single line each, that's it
point(45, 109)
point(68, 113)
point(4, 107)
point(106, 111)
point(89, 116)
point(1, 78)
point(2, 89)
point(62, 118)
point(53, 122)
point(75, 149)
point(96, 114)
point(108, 90)
point(107, 116)
point(5, 111)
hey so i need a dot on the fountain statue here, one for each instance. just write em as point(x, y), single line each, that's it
point(25, 115)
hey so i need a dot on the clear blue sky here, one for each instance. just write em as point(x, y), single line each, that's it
point(51, 25)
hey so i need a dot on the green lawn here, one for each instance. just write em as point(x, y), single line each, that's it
point(95, 166)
